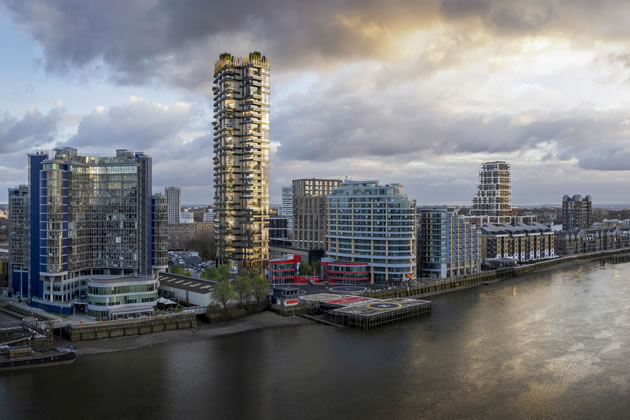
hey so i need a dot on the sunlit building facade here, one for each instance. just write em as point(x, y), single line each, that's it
point(241, 159)
point(494, 193)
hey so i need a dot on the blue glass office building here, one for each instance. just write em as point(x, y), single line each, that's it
point(88, 218)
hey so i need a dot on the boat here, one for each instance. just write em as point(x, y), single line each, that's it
point(24, 357)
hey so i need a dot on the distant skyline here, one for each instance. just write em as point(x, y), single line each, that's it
point(419, 93)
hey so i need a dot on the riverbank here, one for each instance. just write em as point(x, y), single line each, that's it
point(438, 287)
point(203, 331)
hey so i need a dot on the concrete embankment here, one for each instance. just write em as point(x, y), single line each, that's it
point(487, 277)
point(112, 329)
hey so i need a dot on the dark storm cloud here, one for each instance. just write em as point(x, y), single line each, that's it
point(177, 41)
point(33, 130)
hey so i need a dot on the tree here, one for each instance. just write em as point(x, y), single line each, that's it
point(210, 273)
point(224, 271)
point(316, 267)
point(177, 269)
point(305, 269)
point(187, 274)
point(223, 292)
point(242, 287)
point(204, 245)
point(259, 288)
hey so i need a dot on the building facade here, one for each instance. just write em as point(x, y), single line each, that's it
point(520, 242)
point(283, 270)
point(448, 246)
point(181, 234)
point(241, 159)
point(89, 218)
point(174, 201)
point(287, 207)
point(591, 240)
point(279, 232)
point(310, 203)
point(18, 238)
point(375, 224)
point(577, 212)
point(494, 192)
point(352, 273)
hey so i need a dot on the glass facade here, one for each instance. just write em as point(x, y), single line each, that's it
point(91, 217)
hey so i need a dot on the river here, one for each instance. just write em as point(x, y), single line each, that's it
point(552, 344)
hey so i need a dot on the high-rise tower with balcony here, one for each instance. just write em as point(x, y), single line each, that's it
point(241, 159)
point(494, 193)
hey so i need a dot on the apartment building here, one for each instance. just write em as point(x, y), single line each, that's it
point(577, 212)
point(174, 202)
point(241, 159)
point(310, 203)
point(375, 224)
point(448, 246)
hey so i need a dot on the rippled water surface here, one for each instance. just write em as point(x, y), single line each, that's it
point(553, 344)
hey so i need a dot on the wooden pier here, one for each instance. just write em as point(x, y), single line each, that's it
point(375, 314)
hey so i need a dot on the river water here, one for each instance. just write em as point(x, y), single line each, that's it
point(554, 344)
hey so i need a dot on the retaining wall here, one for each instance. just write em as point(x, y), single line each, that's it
point(458, 283)
point(111, 329)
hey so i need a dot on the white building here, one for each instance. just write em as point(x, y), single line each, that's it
point(186, 217)
point(186, 289)
point(494, 193)
point(174, 202)
point(208, 216)
point(373, 223)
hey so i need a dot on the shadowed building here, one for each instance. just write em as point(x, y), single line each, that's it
point(89, 219)
point(577, 212)
point(310, 202)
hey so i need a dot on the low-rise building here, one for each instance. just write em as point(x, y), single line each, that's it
point(338, 272)
point(591, 240)
point(184, 289)
point(122, 297)
point(283, 270)
point(521, 242)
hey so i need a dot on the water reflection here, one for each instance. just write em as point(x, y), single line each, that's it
point(553, 344)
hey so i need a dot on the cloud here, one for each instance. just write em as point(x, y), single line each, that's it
point(147, 41)
point(33, 130)
point(138, 124)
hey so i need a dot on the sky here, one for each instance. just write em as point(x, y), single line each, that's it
point(414, 92)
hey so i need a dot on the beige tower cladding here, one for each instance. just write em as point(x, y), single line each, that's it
point(241, 159)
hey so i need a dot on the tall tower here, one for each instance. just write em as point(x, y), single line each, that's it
point(494, 194)
point(287, 207)
point(241, 159)
point(174, 203)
